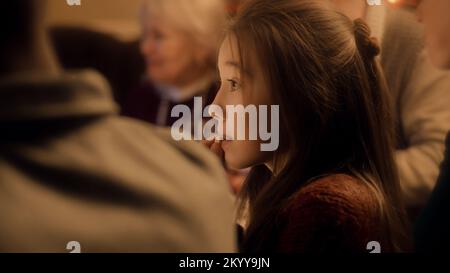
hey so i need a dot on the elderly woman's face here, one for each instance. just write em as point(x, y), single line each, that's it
point(169, 53)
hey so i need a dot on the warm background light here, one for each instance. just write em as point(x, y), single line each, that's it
point(119, 18)
point(403, 3)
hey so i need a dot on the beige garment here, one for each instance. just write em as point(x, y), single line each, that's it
point(422, 101)
point(72, 170)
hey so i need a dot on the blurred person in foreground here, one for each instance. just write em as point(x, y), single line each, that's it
point(420, 92)
point(72, 170)
point(432, 231)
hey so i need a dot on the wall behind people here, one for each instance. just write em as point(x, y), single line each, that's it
point(116, 17)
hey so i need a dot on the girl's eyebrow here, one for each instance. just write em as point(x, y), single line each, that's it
point(238, 66)
point(231, 63)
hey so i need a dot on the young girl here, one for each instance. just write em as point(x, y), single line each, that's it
point(332, 185)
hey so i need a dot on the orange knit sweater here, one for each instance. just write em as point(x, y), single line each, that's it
point(335, 214)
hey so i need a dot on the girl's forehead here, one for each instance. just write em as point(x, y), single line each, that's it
point(229, 55)
point(237, 54)
point(229, 48)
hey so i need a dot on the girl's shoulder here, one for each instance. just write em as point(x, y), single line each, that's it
point(336, 189)
point(339, 194)
point(336, 211)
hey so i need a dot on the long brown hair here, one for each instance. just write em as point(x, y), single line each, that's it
point(335, 110)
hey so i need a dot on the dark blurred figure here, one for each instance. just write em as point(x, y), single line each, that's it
point(72, 170)
point(119, 61)
point(432, 231)
point(420, 94)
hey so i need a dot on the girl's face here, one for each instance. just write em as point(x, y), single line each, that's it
point(241, 87)
point(434, 14)
point(170, 55)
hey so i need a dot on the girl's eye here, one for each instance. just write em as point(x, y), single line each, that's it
point(234, 85)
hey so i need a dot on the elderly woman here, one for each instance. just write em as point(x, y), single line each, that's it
point(179, 44)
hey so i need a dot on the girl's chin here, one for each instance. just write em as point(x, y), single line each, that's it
point(235, 163)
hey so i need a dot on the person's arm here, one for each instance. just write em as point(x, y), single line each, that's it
point(425, 120)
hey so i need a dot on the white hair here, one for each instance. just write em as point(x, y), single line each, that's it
point(203, 20)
